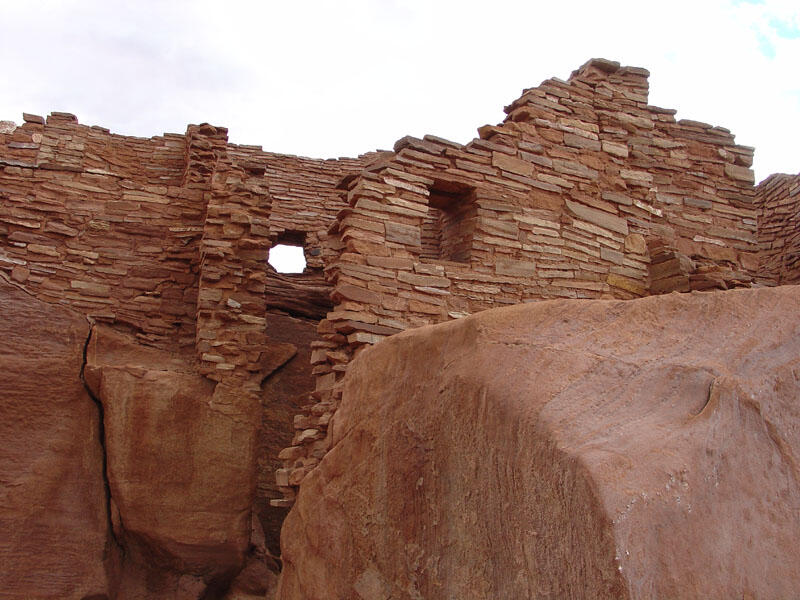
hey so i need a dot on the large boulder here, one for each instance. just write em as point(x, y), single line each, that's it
point(564, 449)
point(54, 533)
point(181, 467)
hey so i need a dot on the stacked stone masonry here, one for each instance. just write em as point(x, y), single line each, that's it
point(779, 229)
point(114, 226)
point(583, 191)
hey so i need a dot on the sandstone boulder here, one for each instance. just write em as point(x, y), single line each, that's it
point(578, 449)
point(54, 534)
point(181, 467)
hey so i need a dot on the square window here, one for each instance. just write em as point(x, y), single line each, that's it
point(287, 255)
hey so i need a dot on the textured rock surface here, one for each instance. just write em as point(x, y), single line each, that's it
point(604, 449)
point(181, 455)
point(259, 576)
point(53, 518)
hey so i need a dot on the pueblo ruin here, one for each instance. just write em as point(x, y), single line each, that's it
point(622, 424)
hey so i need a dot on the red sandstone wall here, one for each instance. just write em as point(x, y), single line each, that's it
point(577, 170)
point(303, 191)
point(779, 229)
point(304, 204)
point(167, 235)
point(101, 223)
point(585, 191)
point(111, 225)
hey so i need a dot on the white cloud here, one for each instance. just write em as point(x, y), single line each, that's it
point(341, 78)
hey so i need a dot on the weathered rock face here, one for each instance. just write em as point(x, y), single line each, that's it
point(604, 449)
point(181, 454)
point(175, 514)
point(54, 538)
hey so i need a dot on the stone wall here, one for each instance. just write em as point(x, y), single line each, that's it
point(584, 191)
point(112, 225)
point(778, 198)
point(168, 237)
point(102, 223)
point(304, 203)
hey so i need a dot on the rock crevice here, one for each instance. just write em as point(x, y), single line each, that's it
point(101, 438)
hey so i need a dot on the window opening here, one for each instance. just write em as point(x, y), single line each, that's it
point(287, 258)
point(448, 229)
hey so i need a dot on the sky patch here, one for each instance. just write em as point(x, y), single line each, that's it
point(785, 29)
point(765, 45)
point(324, 79)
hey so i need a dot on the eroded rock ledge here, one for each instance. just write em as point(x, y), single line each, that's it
point(564, 449)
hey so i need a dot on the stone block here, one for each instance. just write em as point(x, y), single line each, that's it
point(615, 149)
point(358, 294)
point(408, 235)
point(512, 164)
point(627, 284)
point(90, 288)
point(423, 280)
point(635, 243)
point(574, 168)
point(598, 217)
point(579, 141)
point(515, 268)
point(613, 256)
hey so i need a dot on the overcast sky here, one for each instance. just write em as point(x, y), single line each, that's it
point(340, 78)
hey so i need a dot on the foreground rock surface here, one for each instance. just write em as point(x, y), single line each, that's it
point(54, 539)
point(604, 449)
